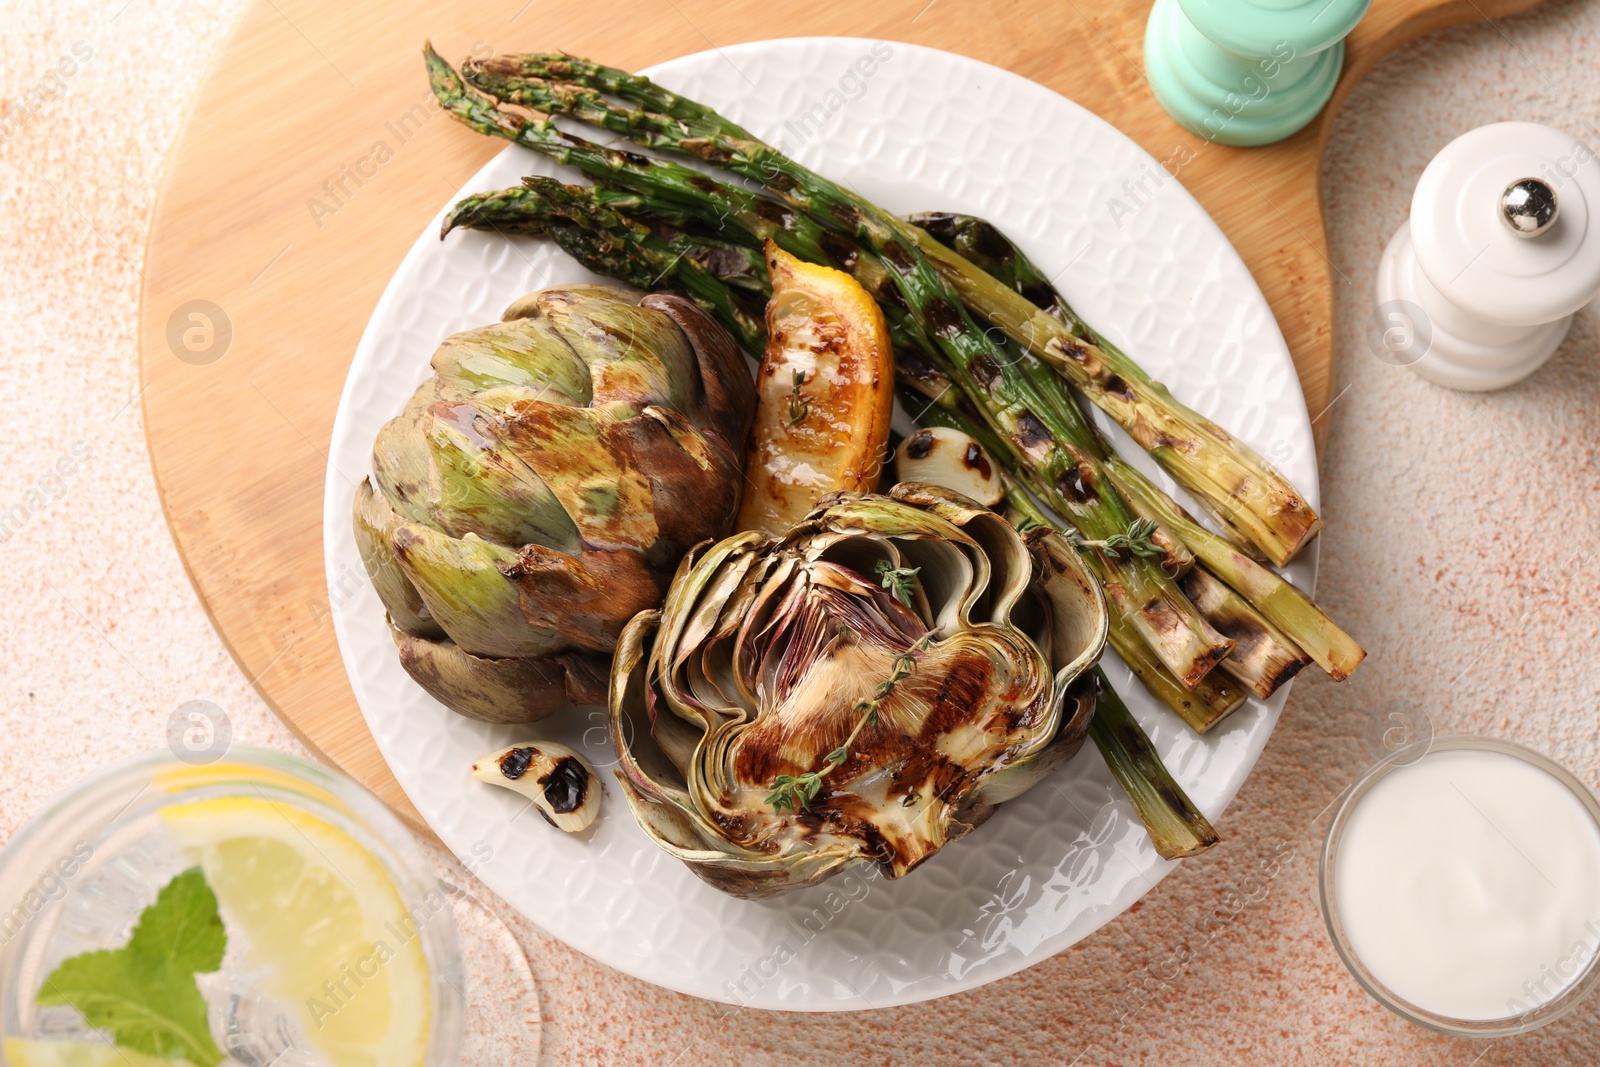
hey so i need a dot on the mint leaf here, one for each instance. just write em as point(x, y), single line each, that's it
point(183, 926)
point(145, 993)
point(148, 1006)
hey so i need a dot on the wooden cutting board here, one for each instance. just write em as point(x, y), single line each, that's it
point(308, 167)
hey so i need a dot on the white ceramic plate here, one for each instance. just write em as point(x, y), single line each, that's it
point(1133, 252)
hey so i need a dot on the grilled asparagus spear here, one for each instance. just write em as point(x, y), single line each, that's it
point(1176, 827)
point(1263, 658)
point(985, 246)
point(1238, 484)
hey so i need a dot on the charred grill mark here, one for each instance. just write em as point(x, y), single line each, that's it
point(899, 258)
point(635, 159)
point(1023, 716)
point(734, 826)
point(1031, 434)
point(514, 764)
point(945, 318)
point(1074, 485)
point(706, 149)
point(963, 688)
point(1040, 556)
point(992, 243)
point(888, 293)
point(976, 460)
point(1162, 440)
point(1161, 616)
point(1118, 388)
point(849, 215)
point(704, 185)
point(916, 369)
point(986, 371)
point(920, 444)
point(1203, 664)
point(722, 262)
point(1039, 294)
point(775, 213)
point(875, 844)
point(928, 767)
point(1132, 739)
point(1073, 350)
point(949, 779)
point(939, 224)
point(811, 822)
point(566, 785)
point(842, 252)
point(1290, 669)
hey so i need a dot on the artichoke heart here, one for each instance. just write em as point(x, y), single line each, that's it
point(864, 689)
point(539, 488)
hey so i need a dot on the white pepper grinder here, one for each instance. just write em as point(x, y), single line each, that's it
point(1501, 249)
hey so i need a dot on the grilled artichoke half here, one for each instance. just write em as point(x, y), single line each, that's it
point(540, 487)
point(767, 651)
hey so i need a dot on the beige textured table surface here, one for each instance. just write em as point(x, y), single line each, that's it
point(1457, 547)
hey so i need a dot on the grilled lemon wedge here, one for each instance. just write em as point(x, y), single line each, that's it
point(826, 388)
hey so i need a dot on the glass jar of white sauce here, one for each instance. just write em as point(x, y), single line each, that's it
point(1461, 885)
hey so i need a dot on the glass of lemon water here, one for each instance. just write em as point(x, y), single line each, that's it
point(338, 947)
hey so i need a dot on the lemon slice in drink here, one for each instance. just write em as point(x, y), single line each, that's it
point(24, 1053)
point(320, 916)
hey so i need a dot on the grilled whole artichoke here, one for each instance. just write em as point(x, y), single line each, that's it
point(758, 740)
point(539, 488)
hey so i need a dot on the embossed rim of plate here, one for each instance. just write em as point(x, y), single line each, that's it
point(1037, 877)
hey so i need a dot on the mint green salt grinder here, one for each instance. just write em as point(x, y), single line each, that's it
point(1246, 72)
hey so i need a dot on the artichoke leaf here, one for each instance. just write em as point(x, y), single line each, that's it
point(654, 750)
point(481, 487)
point(693, 477)
point(587, 598)
point(401, 465)
point(640, 758)
point(1010, 574)
point(523, 358)
point(633, 355)
point(713, 676)
point(514, 690)
point(1077, 607)
point(728, 390)
point(739, 872)
point(374, 522)
point(584, 461)
point(1018, 776)
point(696, 609)
point(461, 582)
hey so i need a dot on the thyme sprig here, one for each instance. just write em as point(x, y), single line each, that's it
point(900, 581)
point(1137, 541)
point(796, 791)
point(798, 407)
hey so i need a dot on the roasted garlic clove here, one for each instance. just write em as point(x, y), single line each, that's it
point(560, 782)
point(941, 456)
